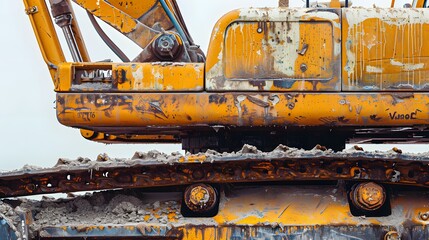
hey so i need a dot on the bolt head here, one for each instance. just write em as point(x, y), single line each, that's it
point(200, 197)
point(392, 235)
point(303, 67)
point(369, 196)
point(424, 216)
point(167, 46)
point(166, 43)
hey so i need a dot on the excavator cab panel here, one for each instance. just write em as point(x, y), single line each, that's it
point(275, 50)
point(385, 49)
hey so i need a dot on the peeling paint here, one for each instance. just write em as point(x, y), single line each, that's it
point(372, 69)
point(284, 56)
point(138, 78)
point(407, 66)
point(238, 101)
point(402, 16)
point(385, 49)
point(260, 51)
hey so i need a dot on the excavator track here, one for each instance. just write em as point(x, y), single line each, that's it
point(154, 169)
point(287, 193)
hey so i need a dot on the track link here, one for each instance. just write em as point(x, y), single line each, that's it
point(153, 170)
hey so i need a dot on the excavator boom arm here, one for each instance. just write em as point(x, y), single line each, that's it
point(143, 22)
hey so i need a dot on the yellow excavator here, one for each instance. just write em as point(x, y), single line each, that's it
point(264, 115)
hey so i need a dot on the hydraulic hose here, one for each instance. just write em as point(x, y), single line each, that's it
point(173, 20)
point(107, 40)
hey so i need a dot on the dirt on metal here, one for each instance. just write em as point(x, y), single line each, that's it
point(276, 207)
point(9, 215)
point(104, 160)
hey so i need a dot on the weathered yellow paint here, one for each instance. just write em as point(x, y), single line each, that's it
point(275, 50)
point(335, 4)
point(250, 50)
point(147, 77)
point(140, 21)
point(110, 14)
point(385, 49)
point(310, 210)
point(45, 34)
point(138, 32)
point(134, 8)
point(248, 54)
point(63, 80)
point(149, 13)
point(420, 3)
point(170, 110)
point(160, 76)
point(217, 37)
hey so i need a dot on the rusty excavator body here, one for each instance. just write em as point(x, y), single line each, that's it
point(264, 117)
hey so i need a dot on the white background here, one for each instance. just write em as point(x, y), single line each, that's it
point(30, 133)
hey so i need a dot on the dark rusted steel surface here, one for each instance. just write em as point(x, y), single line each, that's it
point(249, 165)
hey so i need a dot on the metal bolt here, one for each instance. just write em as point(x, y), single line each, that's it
point(259, 30)
point(303, 67)
point(31, 10)
point(424, 216)
point(166, 43)
point(368, 196)
point(200, 197)
point(392, 235)
point(167, 46)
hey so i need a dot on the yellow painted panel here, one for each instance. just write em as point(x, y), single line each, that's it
point(275, 49)
point(46, 35)
point(144, 77)
point(160, 76)
point(279, 50)
point(134, 8)
point(385, 49)
point(110, 14)
point(173, 111)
